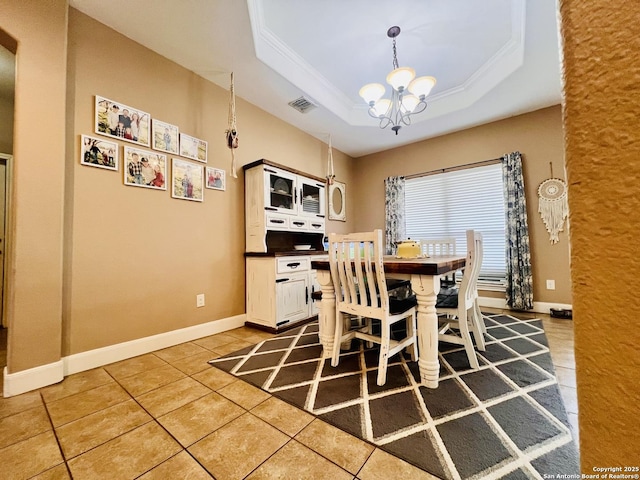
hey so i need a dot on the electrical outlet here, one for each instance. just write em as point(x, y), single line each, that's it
point(200, 300)
point(551, 284)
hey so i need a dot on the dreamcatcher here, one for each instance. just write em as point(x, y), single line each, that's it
point(231, 133)
point(553, 206)
point(330, 173)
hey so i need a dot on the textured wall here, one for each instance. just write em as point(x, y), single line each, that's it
point(602, 134)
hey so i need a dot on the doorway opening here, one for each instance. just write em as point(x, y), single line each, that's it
point(7, 95)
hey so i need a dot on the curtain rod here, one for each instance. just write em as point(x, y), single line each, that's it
point(459, 167)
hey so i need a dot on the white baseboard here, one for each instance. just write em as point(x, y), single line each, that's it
point(80, 362)
point(492, 302)
point(538, 307)
point(32, 379)
point(42, 376)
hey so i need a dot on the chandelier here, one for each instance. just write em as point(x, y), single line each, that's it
point(402, 106)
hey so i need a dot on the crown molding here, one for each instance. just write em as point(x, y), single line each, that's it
point(277, 55)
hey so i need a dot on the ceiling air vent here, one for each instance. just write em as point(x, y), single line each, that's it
point(303, 105)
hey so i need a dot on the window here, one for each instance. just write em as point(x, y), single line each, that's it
point(448, 204)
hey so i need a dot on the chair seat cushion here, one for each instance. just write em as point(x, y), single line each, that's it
point(447, 298)
point(397, 305)
point(399, 289)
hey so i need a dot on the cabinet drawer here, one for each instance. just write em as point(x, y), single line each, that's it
point(316, 225)
point(292, 264)
point(299, 224)
point(277, 222)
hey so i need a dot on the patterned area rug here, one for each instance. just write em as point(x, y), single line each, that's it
point(506, 420)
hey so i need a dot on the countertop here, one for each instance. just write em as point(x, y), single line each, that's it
point(288, 253)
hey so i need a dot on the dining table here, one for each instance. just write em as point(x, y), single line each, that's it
point(424, 274)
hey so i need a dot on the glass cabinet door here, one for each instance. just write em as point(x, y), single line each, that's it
point(280, 190)
point(311, 194)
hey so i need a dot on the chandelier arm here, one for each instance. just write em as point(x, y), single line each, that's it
point(371, 113)
point(405, 118)
point(398, 117)
point(421, 107)
point(385, 122)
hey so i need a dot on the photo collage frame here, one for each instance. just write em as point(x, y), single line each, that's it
point(147, 167)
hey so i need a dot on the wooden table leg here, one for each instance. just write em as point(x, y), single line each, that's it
point(327, 313)
point(426, 288)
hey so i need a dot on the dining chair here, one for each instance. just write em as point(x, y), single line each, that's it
point(461, 312)
point(440, 246)
point(360, 286)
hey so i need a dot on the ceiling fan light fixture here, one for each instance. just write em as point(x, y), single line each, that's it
point(397, 111)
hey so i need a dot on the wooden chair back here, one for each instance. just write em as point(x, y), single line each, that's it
point(438, 246)
point(469, 286)
point(358, 276)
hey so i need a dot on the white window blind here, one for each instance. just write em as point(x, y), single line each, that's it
point(448, 204)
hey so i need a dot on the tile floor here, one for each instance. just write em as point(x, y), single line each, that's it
point(169, 414)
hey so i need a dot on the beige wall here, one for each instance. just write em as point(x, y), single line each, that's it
point(135, 258)
point(602, 108)
point(34, 273)
point(538, 136)
point(130, 260)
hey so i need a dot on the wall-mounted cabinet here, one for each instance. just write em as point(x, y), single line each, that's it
point(278, 199)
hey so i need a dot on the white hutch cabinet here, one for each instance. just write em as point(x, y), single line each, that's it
point(280, 200)
point(284, 211)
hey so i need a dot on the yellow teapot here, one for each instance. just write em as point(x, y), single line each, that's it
point(408, 249)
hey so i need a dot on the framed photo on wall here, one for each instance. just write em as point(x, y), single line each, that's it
point(193, 148)
point(98, 152)
point(117, 120)
point(187, 180)
point(165, 136)
point(216, 179)
point(144, 168)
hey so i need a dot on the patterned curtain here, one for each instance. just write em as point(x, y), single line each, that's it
point(394, 213)
point(519, 278)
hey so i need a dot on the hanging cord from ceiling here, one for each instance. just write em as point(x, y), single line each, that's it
point(232, 131)
point(330, 172)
